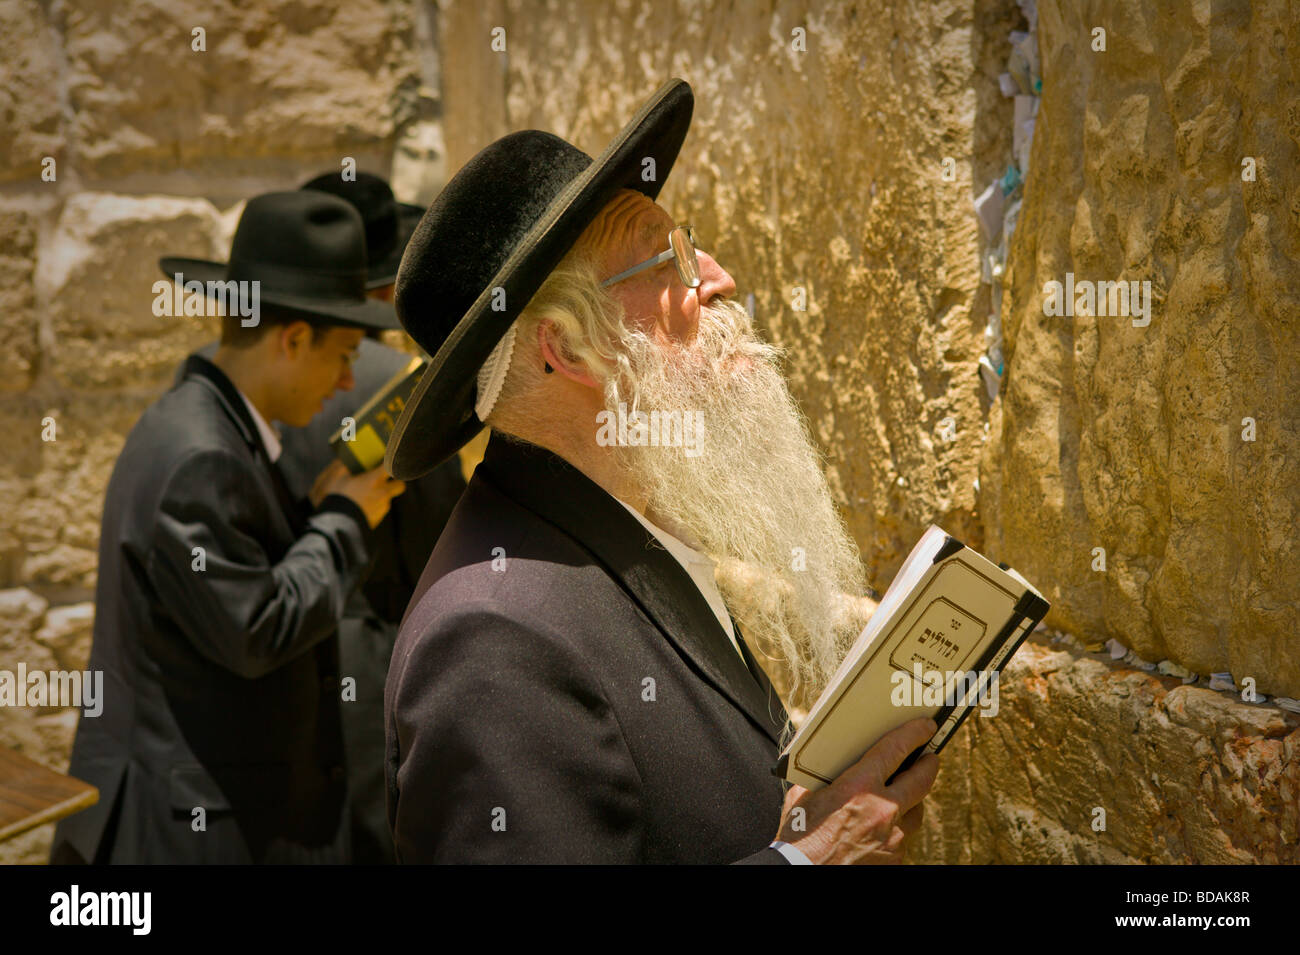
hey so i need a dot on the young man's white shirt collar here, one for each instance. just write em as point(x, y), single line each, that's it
point(270, 437)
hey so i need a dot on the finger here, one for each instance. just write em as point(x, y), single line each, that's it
point(912, 819)
point(879, 762)
point(910, 787)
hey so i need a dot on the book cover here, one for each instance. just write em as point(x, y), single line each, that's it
point(360, 444)
point(947, 625)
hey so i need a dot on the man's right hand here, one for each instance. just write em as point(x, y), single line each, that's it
point(372, 491)
point(857, 819)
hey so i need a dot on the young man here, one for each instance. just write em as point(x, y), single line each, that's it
point(403, 540)
point(218, 597)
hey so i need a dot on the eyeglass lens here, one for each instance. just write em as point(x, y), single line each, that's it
point(688, 264)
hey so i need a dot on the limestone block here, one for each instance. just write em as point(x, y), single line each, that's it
point(31, 118)
point(286, 79)
point(19, 319)
point(67, 632)
point(1171, 446)
point(21, 614)
point(97, 272)
point(1183, 774)
point(54, 490)
point(43, 735)
point(29, 848)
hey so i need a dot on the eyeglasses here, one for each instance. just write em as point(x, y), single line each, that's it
point(681, 249)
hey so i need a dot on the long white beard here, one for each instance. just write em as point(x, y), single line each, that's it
point(753, 497)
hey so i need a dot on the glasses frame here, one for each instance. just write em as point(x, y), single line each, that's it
point(682, 232)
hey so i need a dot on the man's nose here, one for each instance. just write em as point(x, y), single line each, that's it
point(346, 380)
point(714, 280)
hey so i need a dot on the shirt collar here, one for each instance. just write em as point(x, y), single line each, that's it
point(685, 553)
point(270, 436)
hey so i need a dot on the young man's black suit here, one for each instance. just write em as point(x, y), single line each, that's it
point(561, 691)
point(216, 611)
point(368, 628)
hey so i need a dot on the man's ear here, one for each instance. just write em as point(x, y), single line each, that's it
point(572, 370)
point(294, 338)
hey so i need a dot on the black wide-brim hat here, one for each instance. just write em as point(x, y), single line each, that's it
point(388, 223)
point(504, 222)
point(307, 252)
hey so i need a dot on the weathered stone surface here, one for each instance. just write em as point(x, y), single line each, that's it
point(30, 114)
point(21, 613)
point(53, 491)
point(818, 170)
point(473, 75)
point(67, 632)
point(419, 167)
point(18, 315)
point(97, 273)
point(1131, 438)
point(307, 79)
point(1184, 774)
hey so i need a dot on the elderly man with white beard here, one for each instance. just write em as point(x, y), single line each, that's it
point(574, 680)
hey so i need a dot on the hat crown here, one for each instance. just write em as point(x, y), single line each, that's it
point(474, 226)
point(373, 199)
point(302, 243)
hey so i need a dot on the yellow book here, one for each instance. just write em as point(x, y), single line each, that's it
point(360, 442)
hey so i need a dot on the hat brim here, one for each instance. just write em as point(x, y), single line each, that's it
point(384, 272)
point(439, 417)
point(367, 313)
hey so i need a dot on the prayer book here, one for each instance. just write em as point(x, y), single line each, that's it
point(936, 645)
point(361, 441)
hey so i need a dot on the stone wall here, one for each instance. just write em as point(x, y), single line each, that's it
point(1087, 761)
point(821, 169)
point(1172, 446)
point(814, 172)
point(122, 141)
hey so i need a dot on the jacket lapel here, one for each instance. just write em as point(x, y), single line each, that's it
point(559, 493)
point(775, 708)
point(198, 367)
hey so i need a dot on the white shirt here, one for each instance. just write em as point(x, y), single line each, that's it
point(270, 437)
point(698, 566)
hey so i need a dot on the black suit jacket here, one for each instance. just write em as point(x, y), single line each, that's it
point(220, 665)
point(368, 628)
point(561, 691)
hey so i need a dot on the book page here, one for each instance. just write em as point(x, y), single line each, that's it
point(918, 562)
